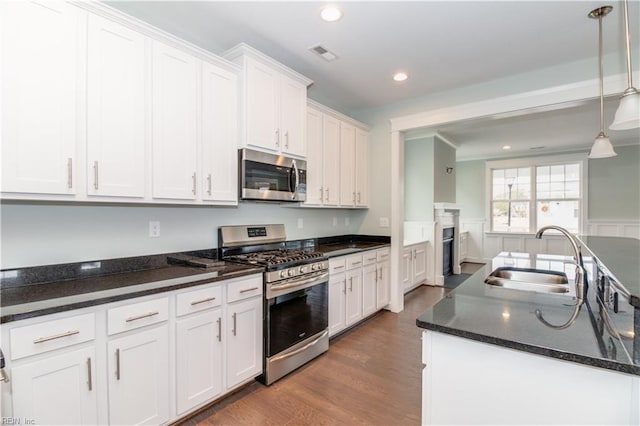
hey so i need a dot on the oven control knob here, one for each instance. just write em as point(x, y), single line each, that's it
point(303, 270)
point(314, 267)
point(291, 272)
point(283, 274)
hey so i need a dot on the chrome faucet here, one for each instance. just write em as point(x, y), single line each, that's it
point(579, 278)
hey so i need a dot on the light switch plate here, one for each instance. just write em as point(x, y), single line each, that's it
point(154, 229)
point(384, 222)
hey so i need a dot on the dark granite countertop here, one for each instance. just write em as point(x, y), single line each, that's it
point(31, 292)
point(621, 257)
point(350, 244)
point(505, 317)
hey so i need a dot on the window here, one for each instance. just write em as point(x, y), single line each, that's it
point(529, 196)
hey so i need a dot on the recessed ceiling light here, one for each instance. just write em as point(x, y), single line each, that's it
point(506, 147)
point(330, 14)
point(400, 76)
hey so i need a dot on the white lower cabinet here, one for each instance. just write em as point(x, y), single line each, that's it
point(199, 359)
point(358, 288)
point(414, 265)
point(125, 363)
point(57, 390)
point(138, 367)
point(244, 340)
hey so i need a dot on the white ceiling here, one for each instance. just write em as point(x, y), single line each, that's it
point(443, 45)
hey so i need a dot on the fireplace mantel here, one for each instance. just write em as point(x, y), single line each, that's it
point(446, 215)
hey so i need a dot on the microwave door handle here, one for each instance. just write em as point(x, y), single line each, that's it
point(294, 169)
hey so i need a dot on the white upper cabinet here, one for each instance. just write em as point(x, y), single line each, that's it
point(40, 59)
point(337, 160)
point(274, 103)
point(362, 168)
point(347, 164)
point(116, 110)
point(315, 161)
point(174, 123)
point(219, 177)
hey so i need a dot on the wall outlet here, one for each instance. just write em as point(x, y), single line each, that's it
point(335, 221)
point(384, 222)
point(154, 229)
point(300, 223)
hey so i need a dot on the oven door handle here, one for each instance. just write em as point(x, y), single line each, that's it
point(301, 284)
point(302, 349)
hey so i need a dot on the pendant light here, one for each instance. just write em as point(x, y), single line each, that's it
point(602, 147)
point(628, 113)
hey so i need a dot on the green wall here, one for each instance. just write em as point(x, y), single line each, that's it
point(470, 189)
point(614, 185)
point(418, 179)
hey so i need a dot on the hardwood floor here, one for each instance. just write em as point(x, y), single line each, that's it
point(370, 375)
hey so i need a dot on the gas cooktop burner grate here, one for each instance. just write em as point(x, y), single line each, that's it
point(276, 257)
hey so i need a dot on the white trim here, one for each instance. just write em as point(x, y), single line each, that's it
point(397, 221)
point(445, 140)
point(536, 161)
point(555, 97)
point(337, 114)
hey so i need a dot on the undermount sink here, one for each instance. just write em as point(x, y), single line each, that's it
point(528, 279)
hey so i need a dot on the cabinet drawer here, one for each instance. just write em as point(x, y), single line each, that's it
point(244, 289)
point(198, 300)
point(383, 254)
point(337, 265)
point(136, 315)
point(369, 257)
point(50, 335)
point(354, 261)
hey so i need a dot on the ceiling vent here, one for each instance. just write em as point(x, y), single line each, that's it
point(324, 53)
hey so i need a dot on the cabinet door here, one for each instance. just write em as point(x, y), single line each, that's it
point(57, 389)
point(198, 359)
point(138, 377)
point(332, 160)
point(40, 59)
point(293, 108)
point(262, 106)
point(175, 99)
point(369, 292)
point(337, 300)
point(347, 164)
point(384, 284)
point(354, 296)
point(116, 114)
point(244, 341)
point(315, 192)
point(219, 180)
point(362, 168)
point(419, 263)
point(407, 267)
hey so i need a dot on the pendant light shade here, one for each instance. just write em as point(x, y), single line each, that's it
point(628, 113)
point(602, 147)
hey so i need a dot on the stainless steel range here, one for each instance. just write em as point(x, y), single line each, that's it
point(296, 295)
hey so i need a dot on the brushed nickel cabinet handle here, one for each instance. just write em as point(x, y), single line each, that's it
point(351, 284)
point(344, 286)
point(246, 290)
point(327, 196)
point(219, 329)
point(95, 175)
point(70, 173)
point(209, 184)
point(117, 364)
point(286, 139)
point(356, 263)
point(359, 199)
point(321, 191)
point(57, 336)
point(354, 197)
point(198, 302)
point(380, 272)
point(339, 267)
point(194, 183)
point(234, 324)
point(278, 137)
point(139, 317)
point(90, 379)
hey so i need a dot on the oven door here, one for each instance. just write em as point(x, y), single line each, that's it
point(295, 314)
point(266, 176)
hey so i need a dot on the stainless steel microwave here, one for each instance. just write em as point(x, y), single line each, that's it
point(269, 177)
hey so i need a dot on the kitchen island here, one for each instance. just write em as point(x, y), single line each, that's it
point(484, 349)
